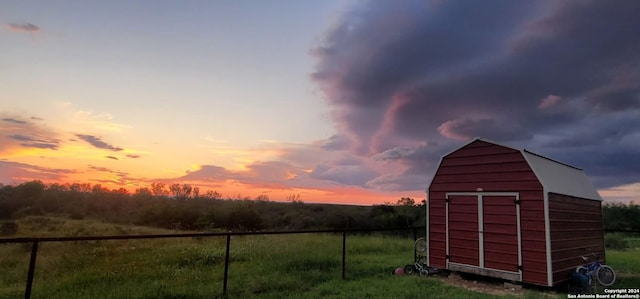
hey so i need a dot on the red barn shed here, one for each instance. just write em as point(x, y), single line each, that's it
point(498, 211)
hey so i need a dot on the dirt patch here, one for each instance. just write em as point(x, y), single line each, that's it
point(489, 285)
point(482, 285)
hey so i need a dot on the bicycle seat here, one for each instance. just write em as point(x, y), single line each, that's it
point(584, 258)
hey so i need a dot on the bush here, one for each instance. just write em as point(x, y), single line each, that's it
point(76, 215)
point(8, 228)
point(616, 242)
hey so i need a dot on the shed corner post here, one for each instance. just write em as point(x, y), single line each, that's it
point(426, 225)
point(547, 224)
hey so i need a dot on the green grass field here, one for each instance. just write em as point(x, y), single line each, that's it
point(273, 266)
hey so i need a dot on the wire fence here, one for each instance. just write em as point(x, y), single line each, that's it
point(36, 241)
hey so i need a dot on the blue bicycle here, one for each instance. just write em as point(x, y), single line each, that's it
point(603, 273)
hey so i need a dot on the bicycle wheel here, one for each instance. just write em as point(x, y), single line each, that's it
point(605, 275)
point(581, 270)
point(421, 245)
point(409, 269)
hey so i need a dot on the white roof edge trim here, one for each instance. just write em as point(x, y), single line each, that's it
point(434, 175)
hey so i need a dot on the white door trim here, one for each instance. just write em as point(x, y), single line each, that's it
point(480, 196)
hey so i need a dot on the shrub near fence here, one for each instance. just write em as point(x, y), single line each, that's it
point(622, 240)
point(36, 242)
point(8, 228)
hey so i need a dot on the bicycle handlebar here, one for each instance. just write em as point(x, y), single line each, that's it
point(591, 251)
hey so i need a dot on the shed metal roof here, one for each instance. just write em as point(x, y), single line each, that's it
point(561, 178)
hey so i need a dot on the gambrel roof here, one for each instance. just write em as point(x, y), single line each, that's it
point(561, 178)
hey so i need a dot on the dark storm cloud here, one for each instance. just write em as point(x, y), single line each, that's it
point(533, 74)
point(97, 142)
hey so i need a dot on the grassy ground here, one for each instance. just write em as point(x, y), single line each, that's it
point(276, 266)
point(627, 266)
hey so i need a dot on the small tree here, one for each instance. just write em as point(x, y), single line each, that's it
point(262, 197)
point(158, 189)
point(181, 192)
point(212, 194)
point(294, 198)
point(406, 201)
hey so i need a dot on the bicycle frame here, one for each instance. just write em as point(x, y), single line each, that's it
point(594, 265)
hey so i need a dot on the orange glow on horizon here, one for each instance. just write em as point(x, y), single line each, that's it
point(232, 189)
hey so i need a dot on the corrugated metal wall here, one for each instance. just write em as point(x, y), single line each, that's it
point(534, 251)
point(500, 232)
point(575, 224)
point(463, 230)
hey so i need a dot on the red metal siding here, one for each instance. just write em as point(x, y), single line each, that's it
point(575, 224)
point(532, 233)
point(463, 230)
point(500, 233)
point(437, 230)
point(493, 168)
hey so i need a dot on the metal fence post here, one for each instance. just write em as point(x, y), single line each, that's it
point(32, 268)
point(415, 238)
point(226, 266)
point(344, 252)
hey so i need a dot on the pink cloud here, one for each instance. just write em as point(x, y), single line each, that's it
point(549, 101)
point(385, 136)
point(450, 129)
point(16, 172)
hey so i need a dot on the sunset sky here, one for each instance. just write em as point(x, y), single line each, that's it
point(337, 101)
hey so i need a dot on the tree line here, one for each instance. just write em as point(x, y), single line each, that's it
point(181, 206)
